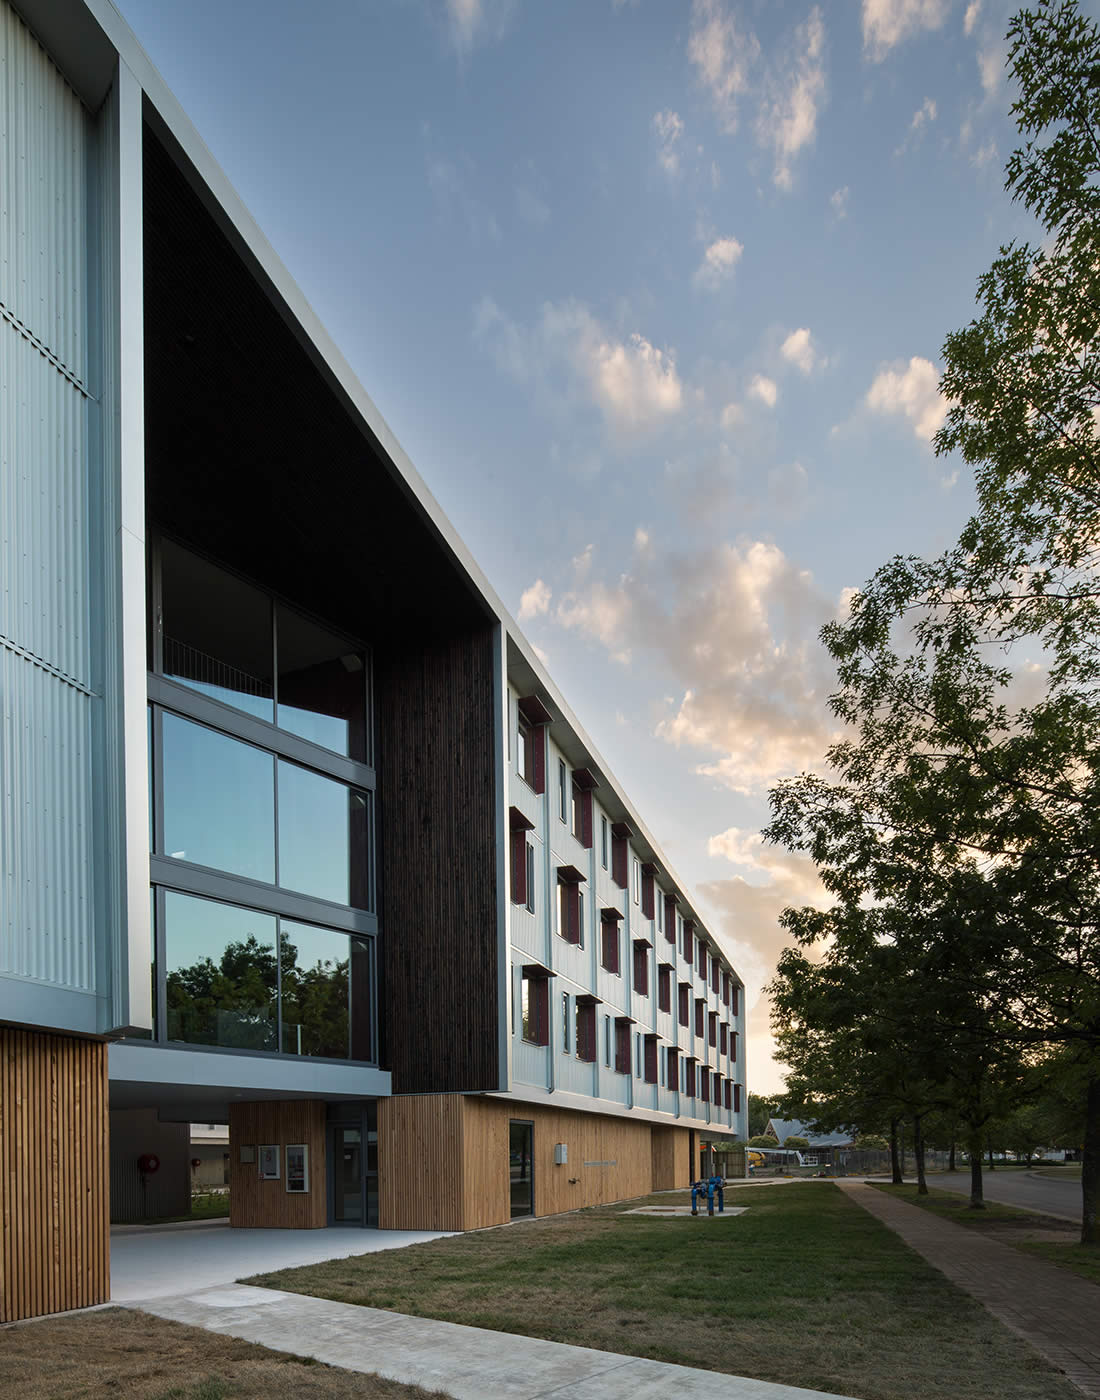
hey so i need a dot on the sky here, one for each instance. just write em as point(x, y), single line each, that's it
point(653, 294)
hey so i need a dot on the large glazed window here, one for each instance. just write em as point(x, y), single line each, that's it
point(239, 979)
point(219, 801)
point(322, 691)
point(216, 633)
point(221, 974)
point(326, 986)
point(261, 827)
point(323, 834)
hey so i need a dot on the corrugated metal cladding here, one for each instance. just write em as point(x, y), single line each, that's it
point(46, 915)
point(43, 197)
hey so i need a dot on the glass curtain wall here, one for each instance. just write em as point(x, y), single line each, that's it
point(261, 805)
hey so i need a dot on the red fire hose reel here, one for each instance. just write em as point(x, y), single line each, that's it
point(148, 1163)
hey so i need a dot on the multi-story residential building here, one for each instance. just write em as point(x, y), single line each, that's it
point(297, 833)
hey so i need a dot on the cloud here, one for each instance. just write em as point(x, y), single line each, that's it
point(732, 415)
point(991, 67)
point(449, 185)
point(787, 120)
point(839, 201)
point(723, 55)
point(737, 628)
point(719, 261)
point(984, 154)
point(911, 390)
point(888, 22)
point(568, 354)
point(535, 600)
point(973, 10)
point(925, 113)
point(669, 129)
point(764, 389)
point(748, 906)
point(474, 21)
point(799, 350)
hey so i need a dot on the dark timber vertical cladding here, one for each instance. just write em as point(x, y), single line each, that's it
point(438, 847)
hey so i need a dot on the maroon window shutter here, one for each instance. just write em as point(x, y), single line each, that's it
point(733, 1001)
point(717, 1090)
point(610, 940)
point(726, 988)
point(648, 910)
point(622, 1047)
point(702, 960)
point(540, 995)
point(712, 1027)
point(699, 1008)
point(538, 766)
point(651, 1059)
point(672, 1068)
point(519, 867)
point(737, 1098)
point(690, 1077)
point(723, 1038)
point(586, 820)
point(664, 988)
point(641, 969)
point(684, 1004)
point(714, 975)
point(733, 1046)
point(670, 918)
point(618, 861)
point(729, 1086)
point(689, 940)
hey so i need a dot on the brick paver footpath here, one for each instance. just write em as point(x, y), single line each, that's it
point(1053, 1309)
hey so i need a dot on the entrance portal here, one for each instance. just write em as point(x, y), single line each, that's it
point(353, 1174)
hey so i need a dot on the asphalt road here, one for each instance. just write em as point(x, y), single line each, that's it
point(1018, 1189)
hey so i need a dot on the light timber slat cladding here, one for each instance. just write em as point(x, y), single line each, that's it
point(443, 1160)
point(421, 1177)
point(438, 865)
point(53, 1174)
point(268, 1204)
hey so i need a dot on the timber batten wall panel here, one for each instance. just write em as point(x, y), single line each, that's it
point(55, 1252)
point(421, 1182)
point(269, 1205)
point(438, 865)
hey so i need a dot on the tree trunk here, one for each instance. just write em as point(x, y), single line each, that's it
point(977, 1201)
point(992, 1168)
point(895, 1160)
point(918, 1152)
point(1090, 1166)
point(951, 1158)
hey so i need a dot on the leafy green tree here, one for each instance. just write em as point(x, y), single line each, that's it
point(797, 1142)
point(761, 1140)
point(960, 799)
point(761, 1110)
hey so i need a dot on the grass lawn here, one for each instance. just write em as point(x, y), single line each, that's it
point(1052, 1239)
point(806, 1288)
point(115, 1354)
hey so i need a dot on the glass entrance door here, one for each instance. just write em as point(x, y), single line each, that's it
point(521, 1167)
point(348, 1175)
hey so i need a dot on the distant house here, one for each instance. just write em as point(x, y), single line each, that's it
point(823, 1146)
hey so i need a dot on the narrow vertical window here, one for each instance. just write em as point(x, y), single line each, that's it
point(636, 887)
point(603, 842)
point(565, 1021)
point(563, 809)
point(530, 878)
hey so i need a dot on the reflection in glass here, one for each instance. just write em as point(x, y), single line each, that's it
point(323, 837)
point(217, 632)
point(221, 974)
point(219, 801)
point(322, 686)
point(326, 992)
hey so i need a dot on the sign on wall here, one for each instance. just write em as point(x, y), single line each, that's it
point(297, 1167)
point(269, 1162)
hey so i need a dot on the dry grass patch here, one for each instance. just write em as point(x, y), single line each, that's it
point(806, 1288)
point(117, 1354)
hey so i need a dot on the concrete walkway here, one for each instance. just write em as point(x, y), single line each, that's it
point(1053, 1309)
point(470, 1363)
point(157, 1261)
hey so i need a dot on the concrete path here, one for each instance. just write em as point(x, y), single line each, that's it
point(1058, 1198)
point(156, 1261)
point(1053, 1309)
point(470, 1363)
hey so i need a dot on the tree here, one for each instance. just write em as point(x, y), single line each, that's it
point(761, 1140)
point(761, 1110)
point(797, 1143)
point(959, 800)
